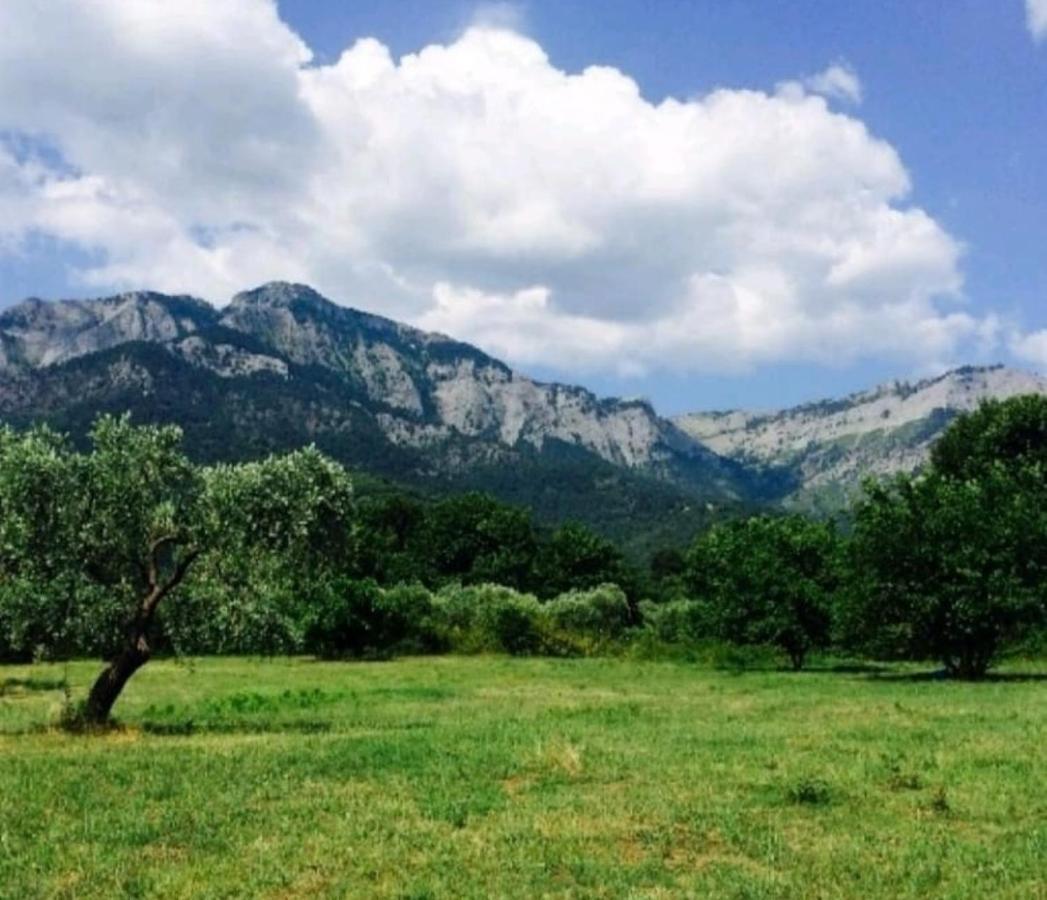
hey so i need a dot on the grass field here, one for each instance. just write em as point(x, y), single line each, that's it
point(491, 777)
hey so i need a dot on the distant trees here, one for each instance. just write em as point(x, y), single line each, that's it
point(474, 539)
point(767, 580)
point(574, 558)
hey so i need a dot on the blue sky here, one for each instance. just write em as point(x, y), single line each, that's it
point(957, 91)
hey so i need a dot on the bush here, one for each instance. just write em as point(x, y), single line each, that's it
point(488, 617)
point(601, 612)
point(676, 622)
point(405, 620)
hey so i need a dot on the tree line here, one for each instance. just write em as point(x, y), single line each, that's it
point(129, 549)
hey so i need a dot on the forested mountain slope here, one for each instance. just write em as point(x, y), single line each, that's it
point(281, 366)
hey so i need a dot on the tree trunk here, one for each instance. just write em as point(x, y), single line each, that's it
point(110, 683)
point(136, 652)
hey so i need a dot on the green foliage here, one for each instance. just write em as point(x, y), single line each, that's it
point(298, 506)
point(574, 558)
point(678, 621)
point(474, 539)
point(359, 618)
point(767, 580)
point(81, 533)
point(245, 603)
point(285, 559)
point(952, 564)
point(601, 613)
point(948, 569)
point(91, 543)
point(1012, 433)
point(489, 617)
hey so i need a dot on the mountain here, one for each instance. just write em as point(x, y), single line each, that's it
point(281, 366)
point(831, 445)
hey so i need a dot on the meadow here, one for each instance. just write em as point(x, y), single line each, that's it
point(492, 776)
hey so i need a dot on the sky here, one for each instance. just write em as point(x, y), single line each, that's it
point(711, 204)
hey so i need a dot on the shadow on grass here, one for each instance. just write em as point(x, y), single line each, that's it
point(189, 726)
point(181, 728)
point(942, 675)
point(29, 685)
point(844, 669)
point(871, 669)
point(888, 673)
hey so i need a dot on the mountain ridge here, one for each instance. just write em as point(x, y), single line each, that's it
point(831, 444)
point(281, 365)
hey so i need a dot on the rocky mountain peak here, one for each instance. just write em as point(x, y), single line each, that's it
point(282, 295)
point(832, 444)
point(38, 333)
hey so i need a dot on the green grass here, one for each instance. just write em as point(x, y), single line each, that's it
point(492, 777)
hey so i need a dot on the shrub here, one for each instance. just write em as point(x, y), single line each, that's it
point(676, 622)
point(405, 619)
point(601, 612)
point(514, 624)
point(488, 617)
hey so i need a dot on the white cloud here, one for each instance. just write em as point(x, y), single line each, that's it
point(839, 81)
point(1031, 348)
point(552, 217)
point(1036, 17)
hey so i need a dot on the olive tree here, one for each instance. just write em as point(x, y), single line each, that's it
point(95, 542)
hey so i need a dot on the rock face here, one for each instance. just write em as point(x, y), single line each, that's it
point(430, 384)
point(37, 333)
point(833, 444)
point(282, 363)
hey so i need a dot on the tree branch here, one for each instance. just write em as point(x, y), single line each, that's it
point(158, 591)
point(152, 568)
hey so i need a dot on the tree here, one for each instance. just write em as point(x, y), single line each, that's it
point(474, 539)
point(127, 520)
point(767, 580)
point(391, 539)
point(1011, 433)
point(575, 559)
point(949, 568)
point(41, 580)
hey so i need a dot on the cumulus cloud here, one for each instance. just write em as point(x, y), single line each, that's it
point(472, 187)
point(839, 81)
point(1036, 18)
point(1031, 348)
